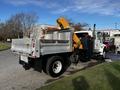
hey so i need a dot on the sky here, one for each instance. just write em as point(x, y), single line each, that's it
point(103, 13)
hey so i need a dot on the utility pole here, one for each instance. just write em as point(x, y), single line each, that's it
point(94, 35)
point(94, 28)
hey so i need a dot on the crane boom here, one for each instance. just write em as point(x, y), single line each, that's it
point(64, 24)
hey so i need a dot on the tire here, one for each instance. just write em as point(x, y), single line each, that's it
point(55, 66)
point(106, 50)
point(44, 69)
point(44, 66)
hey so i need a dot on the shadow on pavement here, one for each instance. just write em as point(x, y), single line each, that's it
point(80, 83)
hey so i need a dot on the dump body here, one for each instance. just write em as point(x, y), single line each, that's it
point(53, 42)
point(57, 42)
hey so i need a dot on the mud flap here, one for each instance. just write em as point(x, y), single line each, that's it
point(38, 65)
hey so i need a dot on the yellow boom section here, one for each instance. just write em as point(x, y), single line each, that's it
point(77, 42)
point(63, 23)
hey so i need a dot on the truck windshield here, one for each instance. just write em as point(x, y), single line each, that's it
point(81, 34)
point(116, 35)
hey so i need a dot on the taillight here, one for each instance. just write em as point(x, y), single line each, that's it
point(33, 48)
point(33, 45)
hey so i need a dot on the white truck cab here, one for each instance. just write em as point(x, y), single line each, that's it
point(98, 45)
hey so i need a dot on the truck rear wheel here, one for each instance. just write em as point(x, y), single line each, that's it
point(55, 66)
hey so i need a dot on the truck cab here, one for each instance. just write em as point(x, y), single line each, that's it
point(98, 46)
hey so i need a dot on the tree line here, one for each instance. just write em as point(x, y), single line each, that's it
point(17, 25)
point(21, 24)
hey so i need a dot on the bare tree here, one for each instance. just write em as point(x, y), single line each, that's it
point(17, 25)
point(27, 21)
point(23, 22)
point(1, 31)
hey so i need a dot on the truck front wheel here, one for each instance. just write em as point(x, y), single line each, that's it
point(55, 66)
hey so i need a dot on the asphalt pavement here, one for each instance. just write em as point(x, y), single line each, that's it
point(14, 77)
point(113, 56)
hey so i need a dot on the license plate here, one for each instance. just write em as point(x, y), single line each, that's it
point(24, 58)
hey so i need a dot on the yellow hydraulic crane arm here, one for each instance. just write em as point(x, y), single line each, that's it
point(64, 24)
point(77, 42)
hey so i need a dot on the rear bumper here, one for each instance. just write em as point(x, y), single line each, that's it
point(22, 62)
point(25, 65)
point(35, 63)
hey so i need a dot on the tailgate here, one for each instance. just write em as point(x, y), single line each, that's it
point(21, 45)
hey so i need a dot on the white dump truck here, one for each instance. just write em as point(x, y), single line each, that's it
point(51, 51)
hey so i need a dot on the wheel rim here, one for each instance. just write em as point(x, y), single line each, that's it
point(57, 66)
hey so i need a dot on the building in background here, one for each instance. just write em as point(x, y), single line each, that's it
point(105, 35)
